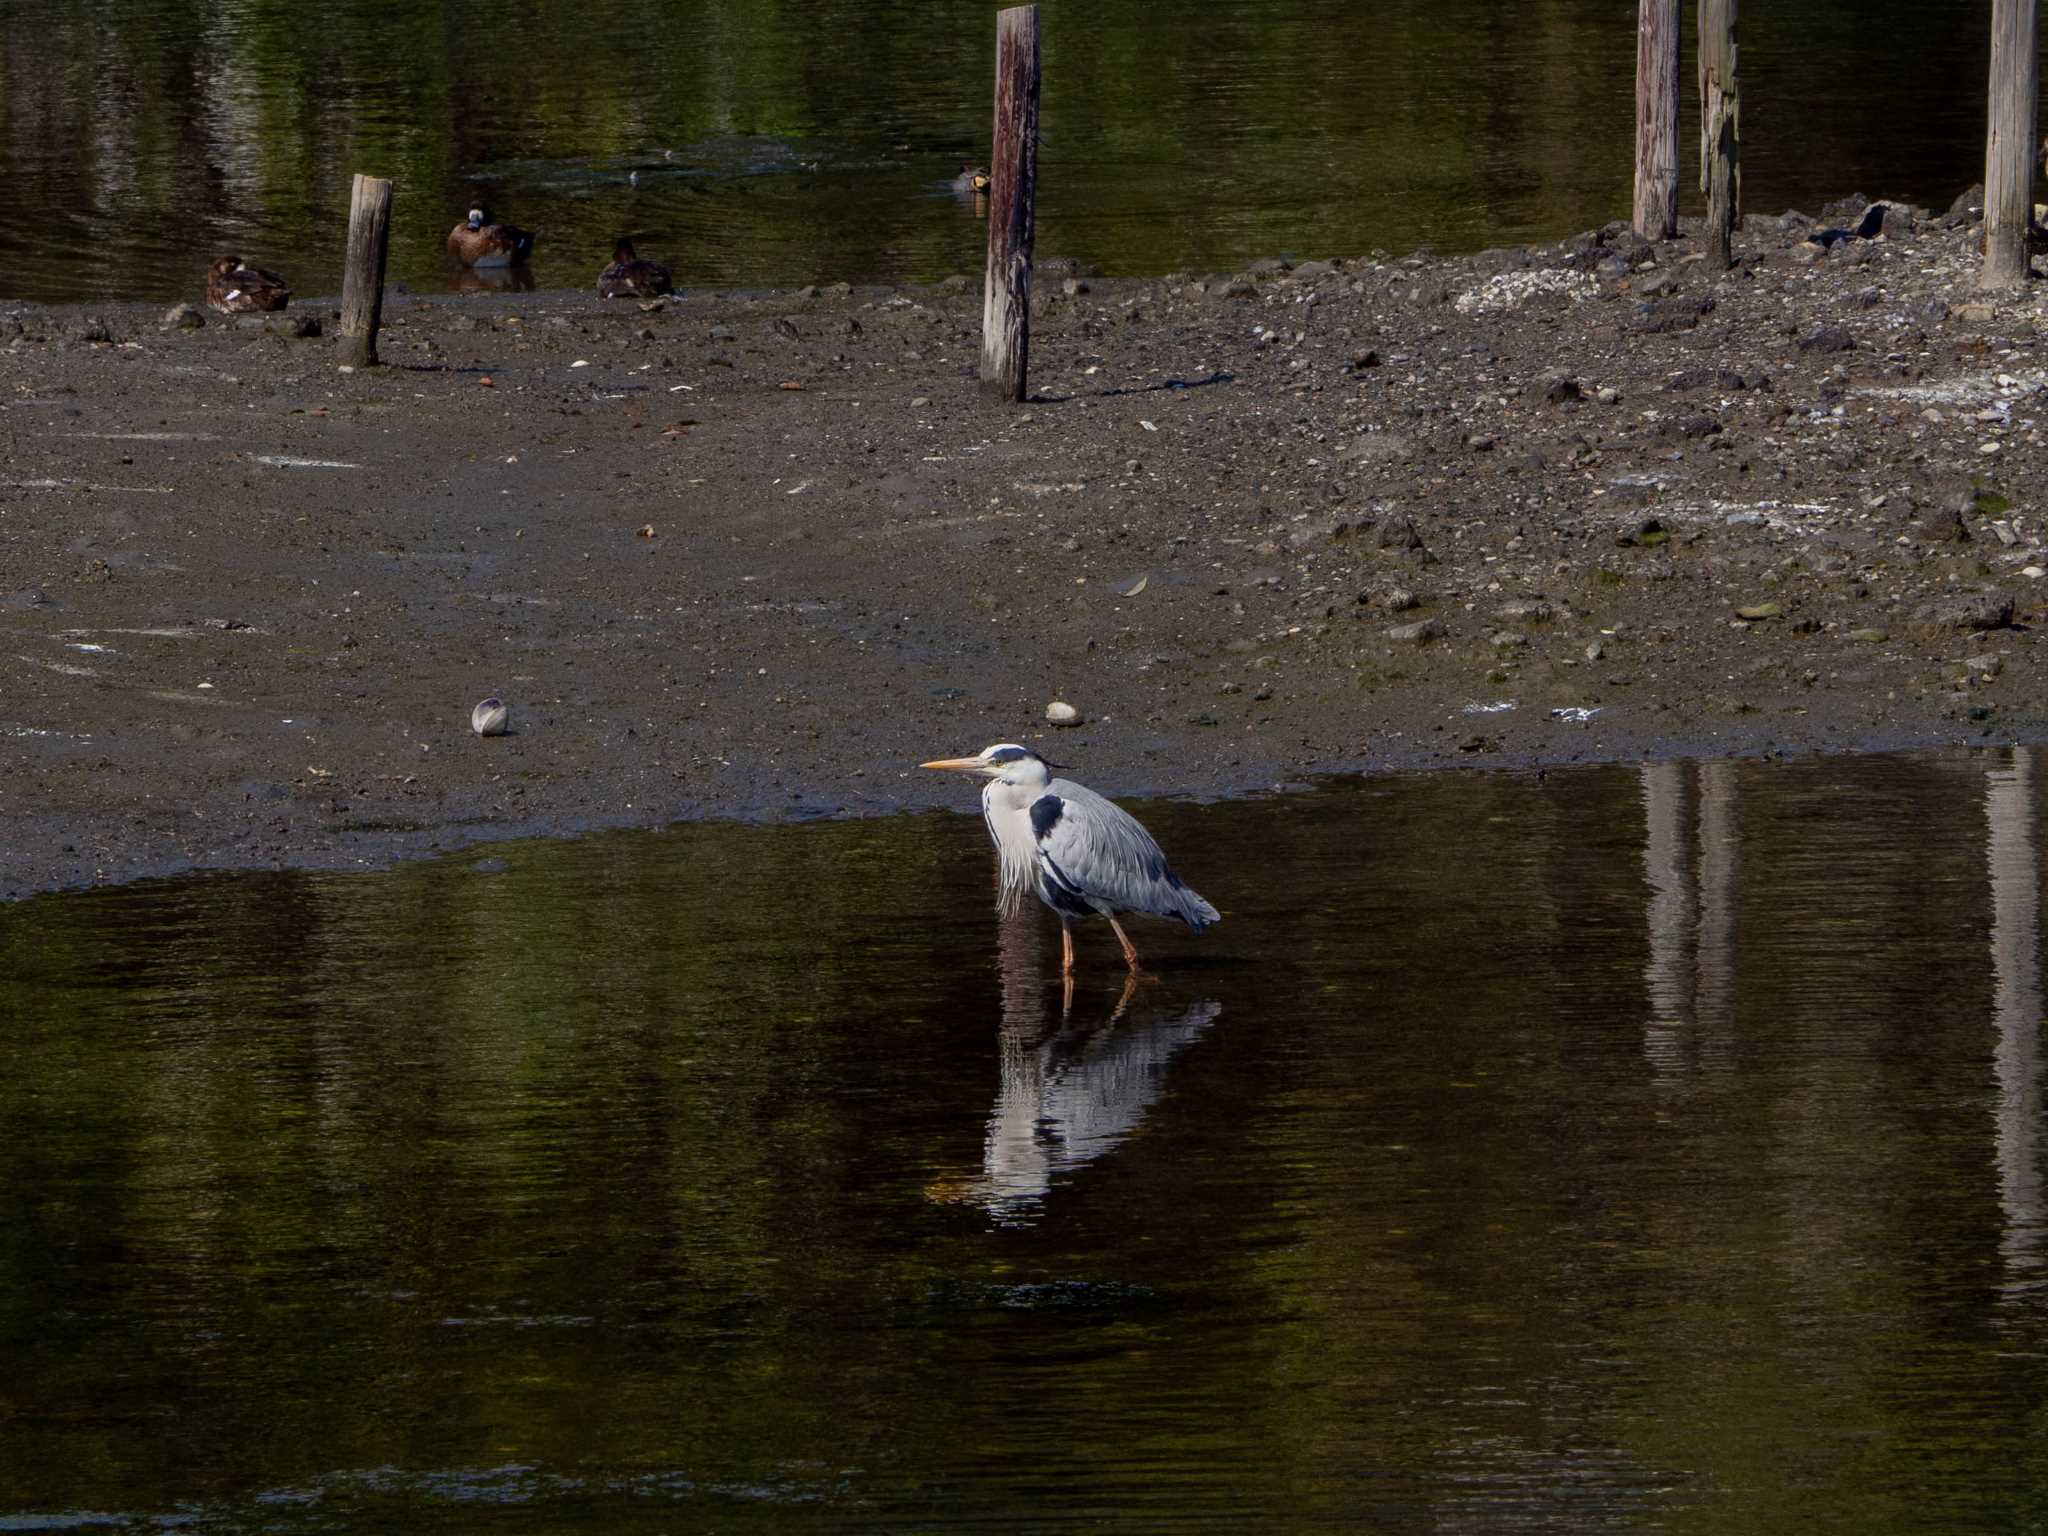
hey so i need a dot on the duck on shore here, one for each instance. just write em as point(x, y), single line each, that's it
point(632, 277)
point(477, 242)
point(235, 288)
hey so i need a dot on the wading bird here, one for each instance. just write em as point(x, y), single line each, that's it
point(1081, 853)
point(477, 242)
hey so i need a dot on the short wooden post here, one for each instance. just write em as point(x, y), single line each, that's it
point(362, 287)
point(1012, 192)
point(1656, 209)
point(2009, 142)
point(1720, 127)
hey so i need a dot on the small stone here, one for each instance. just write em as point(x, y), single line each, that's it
point(1828, 338)
point(1757, 612)
point(1563, 391)
point(1869, 636)
point(490, 718)
point(1073, 287)
point(1596, 651)
point(1418, 633)
point(1984, 667)
point(1968, 611)
point(1060, 712)
point(183, 317)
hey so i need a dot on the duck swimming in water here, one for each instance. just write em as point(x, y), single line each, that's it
point(235, 288)
point(972, 178)
point(477, 242)
point(631, 277)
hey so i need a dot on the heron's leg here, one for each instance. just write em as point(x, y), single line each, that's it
point(1066, 949)
point(1066, 996)
point(1130, 949)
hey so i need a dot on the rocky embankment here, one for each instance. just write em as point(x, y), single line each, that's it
point(756, 554)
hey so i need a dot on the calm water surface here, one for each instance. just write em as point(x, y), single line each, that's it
point(1635, 1149)
point(760, 144)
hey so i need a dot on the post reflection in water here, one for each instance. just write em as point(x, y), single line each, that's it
point(1690, 972)
point(1070, 1093)
point(2013, 858)
point(1670, 1158)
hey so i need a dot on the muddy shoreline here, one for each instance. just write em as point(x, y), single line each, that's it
point(756, 554)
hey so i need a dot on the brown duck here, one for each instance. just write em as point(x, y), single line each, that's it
point(477, 242)
point(235, 288)
point(632, 277)
point(972, 178)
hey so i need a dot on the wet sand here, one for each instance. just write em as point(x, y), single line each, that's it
point(757, 555)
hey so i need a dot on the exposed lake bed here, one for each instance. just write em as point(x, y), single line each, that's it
point(755, 554)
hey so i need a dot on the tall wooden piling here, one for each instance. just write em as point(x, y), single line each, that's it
point(1720, 127)
point(362, 288)
point(1656, 207)
point(1012, 192)
point(2009, 142)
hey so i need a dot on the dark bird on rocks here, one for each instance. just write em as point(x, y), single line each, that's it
point(235, 288)
point(632, 277)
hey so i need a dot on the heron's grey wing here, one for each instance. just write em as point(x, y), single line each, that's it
point(1091, 849)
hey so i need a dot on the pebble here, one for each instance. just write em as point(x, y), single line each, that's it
point(490, 718)
point(183, 317)
point(1419, 632)
point(1060, 712)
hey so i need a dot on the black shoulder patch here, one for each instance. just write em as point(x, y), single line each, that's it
point(1046, 811)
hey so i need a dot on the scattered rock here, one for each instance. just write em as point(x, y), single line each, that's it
point(1968, 611)
point(1059, 712)
point(182, 317)
point(1827, 339)
point(1417, 633)
point(490, 718)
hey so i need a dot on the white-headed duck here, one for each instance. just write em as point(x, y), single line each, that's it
point(477, 242)
point(235, 288)
point(631, 277)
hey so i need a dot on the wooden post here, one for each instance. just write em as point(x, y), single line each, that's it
point(1720, 127)
point(1012, 192)
point(1656, 210)
point(2009, 142)
point(362, 287)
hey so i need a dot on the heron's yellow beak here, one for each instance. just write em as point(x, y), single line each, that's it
point(964, 764)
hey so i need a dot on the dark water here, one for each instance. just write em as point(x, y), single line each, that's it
point(777, 144)
point(1625, 1149)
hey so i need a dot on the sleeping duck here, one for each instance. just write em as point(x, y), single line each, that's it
point(972, 178)
point(235, 288)
point(629, 277)
point(477, 242)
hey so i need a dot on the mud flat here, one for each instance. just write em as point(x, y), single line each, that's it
point(755, 555)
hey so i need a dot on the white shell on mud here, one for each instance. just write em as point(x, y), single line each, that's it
point(1060, 712)
point(490, 718)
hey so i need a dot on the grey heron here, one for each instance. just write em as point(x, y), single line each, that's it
point(1081, 853)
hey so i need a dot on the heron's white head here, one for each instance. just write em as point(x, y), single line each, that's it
point(1005, 760)
point(476, 218)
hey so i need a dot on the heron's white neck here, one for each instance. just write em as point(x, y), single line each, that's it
point(1006, 806)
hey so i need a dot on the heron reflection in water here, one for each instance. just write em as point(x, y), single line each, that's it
point(1067, 1095)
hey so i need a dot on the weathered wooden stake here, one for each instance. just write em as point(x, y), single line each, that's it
point(2009, 142)
point(1720, 127)
point(1012, 192)
point(1656, 210)
point(362, 288)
